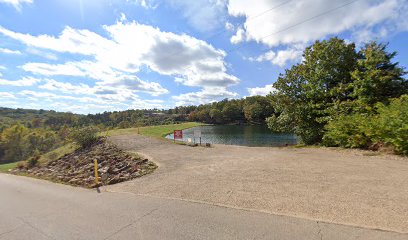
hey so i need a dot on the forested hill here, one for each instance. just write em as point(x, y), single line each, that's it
point(247, 110)
point(31, 117)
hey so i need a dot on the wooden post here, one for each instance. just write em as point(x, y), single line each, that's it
point(96, 171)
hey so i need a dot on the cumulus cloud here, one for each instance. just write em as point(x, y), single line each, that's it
point(263, 91)
point(206, 95)
point(66, 87)
point(23, 82)
point(16, 3)
point(281, 57)
point(239, 36)
point(295, 22)
point(9, 51)
point(115, 61)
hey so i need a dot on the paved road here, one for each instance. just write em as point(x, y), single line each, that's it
point(36, 209)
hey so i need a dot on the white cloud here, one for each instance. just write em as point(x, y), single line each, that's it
point(263, 91)
point(9, 51)
point(148, 4)
point(239, 36)
point(115, 61)
point(286, 25)
point(6, 95)
point(16, 3)
point(66, 87)
point(47, 55)
point(206, 95)
point(281, 57)
point(23, 82)
point(97, 71)
point(229, 26)
point(148, 104)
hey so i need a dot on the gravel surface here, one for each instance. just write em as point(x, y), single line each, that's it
point(332, 185)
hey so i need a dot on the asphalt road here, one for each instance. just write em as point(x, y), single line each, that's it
point(36, 209)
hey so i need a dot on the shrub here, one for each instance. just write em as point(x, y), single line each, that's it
point(33, 161)
point(391, 124)
point(351, 131)
point(388, 125)
point(85, 137)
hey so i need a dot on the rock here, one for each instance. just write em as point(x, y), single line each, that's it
point(77, 168)
point(104, 177)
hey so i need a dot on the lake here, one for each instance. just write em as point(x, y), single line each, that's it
point(251, 135)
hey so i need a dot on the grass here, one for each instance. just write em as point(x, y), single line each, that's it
point(57, 153)
point(45, 158)
point(7, 166)
point(154, 131)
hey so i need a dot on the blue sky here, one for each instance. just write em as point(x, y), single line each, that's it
point(88, 56)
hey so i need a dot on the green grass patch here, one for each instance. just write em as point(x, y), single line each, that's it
point(153, 131)
point(7, 166)
point(57, 153)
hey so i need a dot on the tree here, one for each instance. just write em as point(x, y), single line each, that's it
point(309, 93)
point(13, 144)
point(216, 115)
point(377, 78)
point(232, 111)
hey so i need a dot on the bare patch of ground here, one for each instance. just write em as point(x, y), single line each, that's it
point(332, 185)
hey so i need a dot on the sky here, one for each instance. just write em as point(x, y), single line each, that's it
point(90, 56)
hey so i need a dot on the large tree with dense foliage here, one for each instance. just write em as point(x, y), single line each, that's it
point(310, 92)
point(334, 80)
point(377, 78)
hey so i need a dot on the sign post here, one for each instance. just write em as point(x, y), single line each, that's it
point(96, 171)
point(197, 134)
point(178, 134)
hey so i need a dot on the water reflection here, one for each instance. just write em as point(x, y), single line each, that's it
point(239, 135)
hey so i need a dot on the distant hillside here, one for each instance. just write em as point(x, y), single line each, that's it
point(52, 119)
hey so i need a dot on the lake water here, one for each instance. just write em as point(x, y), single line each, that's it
point(239, 135)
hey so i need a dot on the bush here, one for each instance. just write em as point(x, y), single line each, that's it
point(391, 124)
point(33, 161)
point(388, 125)
point(85, 137)
point(351, 131)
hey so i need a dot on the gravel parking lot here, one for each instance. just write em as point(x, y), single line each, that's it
point(350, 187)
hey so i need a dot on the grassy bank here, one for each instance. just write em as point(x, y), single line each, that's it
point(154, 131)
point(52, 155)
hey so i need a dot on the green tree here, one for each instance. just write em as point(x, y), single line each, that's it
point(311, 92)
point(377, 78)
point(216, 115)
point(13, 144)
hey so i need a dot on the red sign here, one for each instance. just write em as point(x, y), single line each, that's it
point(178, 134)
